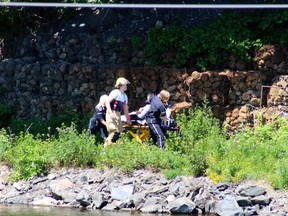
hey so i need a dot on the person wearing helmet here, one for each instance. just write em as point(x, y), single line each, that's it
point(153, 117)
point(117, 101)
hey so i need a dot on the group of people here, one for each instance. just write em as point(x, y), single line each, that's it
point(107, 116)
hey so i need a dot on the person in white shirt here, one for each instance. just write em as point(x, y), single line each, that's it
point(116, 103)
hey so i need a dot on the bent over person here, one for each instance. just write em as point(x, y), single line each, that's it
point(153, 117)
point(100, 115)
point(117, 101)
point(98, 122)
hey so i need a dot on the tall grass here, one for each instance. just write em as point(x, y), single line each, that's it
point(203, 149)
point(255, 154)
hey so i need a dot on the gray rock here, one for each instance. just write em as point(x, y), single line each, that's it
point(228, 207)
point(156, 208)
point(122, 192)
point(243, 201)
point(46, 201)
point(251, 190)
point(181, 205)
point(137, 199)
point(83, 198)
point(261, 200)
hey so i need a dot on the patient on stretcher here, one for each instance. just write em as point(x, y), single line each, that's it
point(134, 118)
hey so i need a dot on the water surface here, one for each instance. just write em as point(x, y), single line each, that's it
point(22, 210)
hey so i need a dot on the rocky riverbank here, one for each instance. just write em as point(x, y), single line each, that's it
point(142, 191)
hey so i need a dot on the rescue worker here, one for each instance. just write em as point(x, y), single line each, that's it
point(100, 116)
point(117, 101)
point(97, 123)
point(166, 125)
point(153, 117)
point(141, 113)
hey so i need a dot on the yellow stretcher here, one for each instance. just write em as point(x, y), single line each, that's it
point(140, 131)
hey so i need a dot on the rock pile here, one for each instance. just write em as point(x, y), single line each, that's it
point(278, 92)
point(142, 191)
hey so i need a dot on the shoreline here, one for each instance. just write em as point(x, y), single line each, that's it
point(142, 191)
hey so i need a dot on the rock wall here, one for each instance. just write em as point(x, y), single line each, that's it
point(61, 71)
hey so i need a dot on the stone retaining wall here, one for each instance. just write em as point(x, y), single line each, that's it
point(57, 72)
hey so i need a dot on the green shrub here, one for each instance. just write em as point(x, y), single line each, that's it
point(28, 157)
point(201, 136)
point(72, 148)
point(128, 155)
point(4, 143)
point(212, 43)
point(258, 154)
point(254, 154)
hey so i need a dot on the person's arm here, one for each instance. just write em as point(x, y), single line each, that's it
point(108, 106)
point(126, 112)
point(143, 111)
point(162, 110)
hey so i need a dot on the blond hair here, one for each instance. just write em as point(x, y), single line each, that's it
point(103, 99)
point(164, 95)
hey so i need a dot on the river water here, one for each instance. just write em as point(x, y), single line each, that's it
point(23, 210)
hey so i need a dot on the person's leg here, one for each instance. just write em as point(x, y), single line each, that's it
point(103, 132)
point(114, 128)
point(111, 129)
point(151, 134)
point(157, 131)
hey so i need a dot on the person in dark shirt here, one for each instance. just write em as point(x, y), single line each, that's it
point(100, 111)
point(98, 121)
point(153, 117)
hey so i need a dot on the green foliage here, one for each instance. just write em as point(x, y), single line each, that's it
point(254, 154)
point(129, 155)
point(258, 154)
point(136, 42)
point(201, 134)
point(4, 143)
point(28, 157)
point(212, 43)
point(73, 149)
point(49, 127)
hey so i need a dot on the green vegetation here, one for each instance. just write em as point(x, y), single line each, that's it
point(258, 154)
point(48, 128)
point(211, 44)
